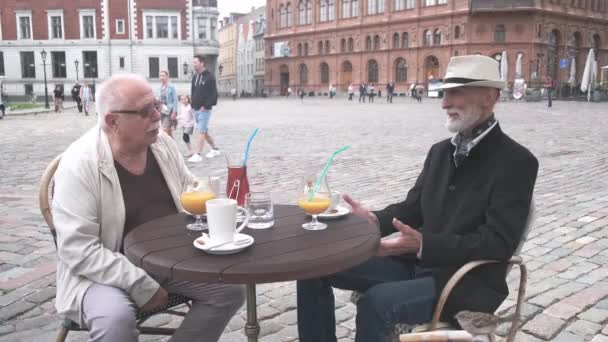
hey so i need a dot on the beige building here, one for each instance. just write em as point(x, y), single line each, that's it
point(247, 61)
point(227, 61)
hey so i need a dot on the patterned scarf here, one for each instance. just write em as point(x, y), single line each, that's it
point(464, 145)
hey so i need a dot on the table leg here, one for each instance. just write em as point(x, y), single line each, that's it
point(252, 328)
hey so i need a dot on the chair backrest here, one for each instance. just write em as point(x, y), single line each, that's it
point(529, 222)
point(43, 196)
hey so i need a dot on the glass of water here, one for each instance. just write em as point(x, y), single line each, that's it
point(261, 211)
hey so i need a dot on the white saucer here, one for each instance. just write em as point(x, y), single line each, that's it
point(228, 248)
point(340, 211)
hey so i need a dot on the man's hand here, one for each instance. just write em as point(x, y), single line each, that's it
point(408, 242)
point(359, 210)
point(158, 300)
point(173, 115)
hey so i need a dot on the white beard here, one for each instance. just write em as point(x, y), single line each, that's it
point(465, 120)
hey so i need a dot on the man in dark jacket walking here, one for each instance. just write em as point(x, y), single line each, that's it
point(204, 97)
point(470, 202)
point(76, 96)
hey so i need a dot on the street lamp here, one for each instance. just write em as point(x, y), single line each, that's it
point(46, 91)
point(76, 65)
point(220, 69)
point(185, 68)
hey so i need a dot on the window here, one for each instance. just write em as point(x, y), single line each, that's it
point(327, 47)
point(89, 59)
point(330, 10)
point(87, 29)
point(28, 69)
point(29, 89)
point(343, 45)
point(162, 27)
point(430, 2)
point(153, 67)
point(399, 5)
point(305, 49)
point(354, 8)
point(372, 71)
point(376, 42)
point(289, 17)
point(121, 62)
point(437, 37)
point(345, 8)
point(172, 67)
point(201, 26)
point(428, 38)
point(400, 70)
point(1, 63)
point(442, 2)
point(395, 40)
point(405, 40)
point(302, 12)
point(323, 10)
point(410, 4)
point(371, 7)
point(320, 48)
point(500, 33)
point(213, 29)
point(303, 74)
point(120, 26)
point(282, 16)
point(324, 73)
point(350, 45)
point(368, 43)
point(58, 64)
point(380, 6)
point(55, 26)
point(457, 32)
point(25, 26)
point(308, 11)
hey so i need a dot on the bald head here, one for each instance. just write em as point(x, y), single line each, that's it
point(122, 92)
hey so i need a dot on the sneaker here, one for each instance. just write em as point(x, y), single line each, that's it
point(210, 154)
point(196, 158)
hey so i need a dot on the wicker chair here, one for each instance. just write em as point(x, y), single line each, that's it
point(68, 325)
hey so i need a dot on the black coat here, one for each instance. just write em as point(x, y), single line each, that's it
point(203, 90)
point(477, 211)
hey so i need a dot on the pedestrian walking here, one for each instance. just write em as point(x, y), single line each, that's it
point(301, 93)
point(351, 92)
point(204, 97)
point(2, 109)
point(288, 92)
point(168, 96)
point(372, 92)
point(362, 91)
point(550, 85)
point(332, 91)
point(185, 120)
point(86, 95)
point(58, 98)
point(419, 93)
point(390, 89)
point(233, 94)
point(76, 96)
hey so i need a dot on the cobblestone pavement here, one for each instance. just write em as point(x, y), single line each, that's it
point(566, 253)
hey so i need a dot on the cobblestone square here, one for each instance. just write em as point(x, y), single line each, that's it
point(566, 251)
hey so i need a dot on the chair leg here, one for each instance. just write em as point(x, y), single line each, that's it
point(63, 334)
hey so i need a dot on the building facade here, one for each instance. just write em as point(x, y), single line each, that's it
point(314, 43)
point(258, 38)
point(227, 67)
point(93, 39)
point(246, 59)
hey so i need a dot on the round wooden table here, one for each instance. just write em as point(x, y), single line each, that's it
point(163, 247)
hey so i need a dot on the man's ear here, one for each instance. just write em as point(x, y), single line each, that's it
point(111, 120)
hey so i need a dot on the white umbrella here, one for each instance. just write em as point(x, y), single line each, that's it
point(587, 74)
point(504, 67)
point(518, 66)
point(572, 79)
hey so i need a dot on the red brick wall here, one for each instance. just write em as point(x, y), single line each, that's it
point(119, 9)
point(162, 5)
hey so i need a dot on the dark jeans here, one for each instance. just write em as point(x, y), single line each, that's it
point(549, 99)
point(394, 291)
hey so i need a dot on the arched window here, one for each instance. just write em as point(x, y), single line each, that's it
point(308, 11)
point(299, 49)
point(428, 38)
point(327, 47)
point(368, 43)
point(372, 71)
point(289, 16)
point(324, 73)
point(400, 70)
point(500, 33)
point(303, 74)
point(302, 12)
point(330, 10)
point(345, 8)
point(457, 32)
point(405, 40)
point(323, 10)
point(343, 45)
point(372, 7)
point(376, 42)
point(396, 41)
point(350, 46)
point(320, 48)
point(305, 49)
point(282, 17)
point(354, 6)
point(597, 44)
point(437, 37)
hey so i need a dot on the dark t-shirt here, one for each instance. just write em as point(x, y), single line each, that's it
point(146, 197)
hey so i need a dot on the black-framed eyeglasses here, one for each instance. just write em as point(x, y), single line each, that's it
point(145, 111)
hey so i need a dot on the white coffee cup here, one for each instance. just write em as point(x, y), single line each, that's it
point(335, 201)
point(221, 219)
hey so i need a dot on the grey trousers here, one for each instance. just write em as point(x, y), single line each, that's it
point(109, 313)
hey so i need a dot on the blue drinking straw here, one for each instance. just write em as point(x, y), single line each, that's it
point(255, 131)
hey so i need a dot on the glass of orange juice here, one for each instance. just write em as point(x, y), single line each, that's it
point(314, 204)
point(194, 201)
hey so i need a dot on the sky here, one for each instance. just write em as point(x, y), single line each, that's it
point(243, 6)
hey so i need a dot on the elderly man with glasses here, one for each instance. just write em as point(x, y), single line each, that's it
point(121, 174)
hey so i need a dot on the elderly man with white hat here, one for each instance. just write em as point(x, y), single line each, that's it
point(470, 202)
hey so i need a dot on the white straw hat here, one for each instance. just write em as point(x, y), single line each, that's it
point(473, 71)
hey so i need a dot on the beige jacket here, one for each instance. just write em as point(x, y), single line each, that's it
point(89, 215)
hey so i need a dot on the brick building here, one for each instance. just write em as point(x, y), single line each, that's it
point(313, 43)
point(92, 39)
